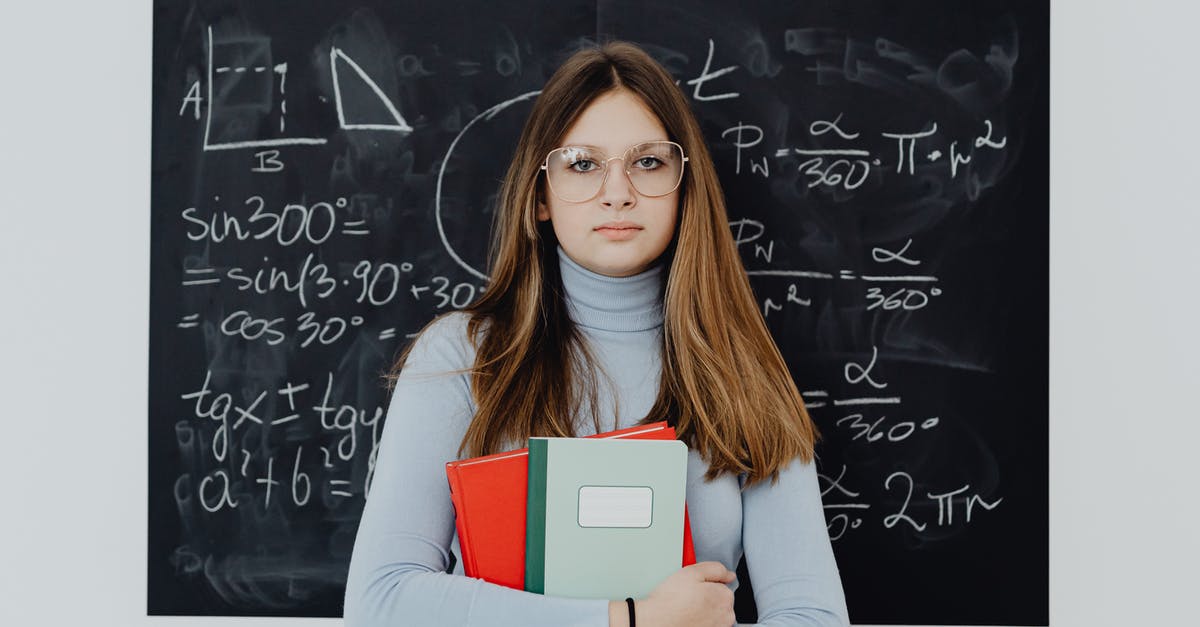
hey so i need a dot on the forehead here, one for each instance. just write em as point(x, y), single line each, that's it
point(613, 122)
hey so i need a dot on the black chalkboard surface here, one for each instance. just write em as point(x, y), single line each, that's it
point(324, 175)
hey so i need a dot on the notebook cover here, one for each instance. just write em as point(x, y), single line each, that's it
point(489, 497)
point(605, 517)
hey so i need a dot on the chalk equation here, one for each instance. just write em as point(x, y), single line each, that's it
point(846, 511)
point(340, 425)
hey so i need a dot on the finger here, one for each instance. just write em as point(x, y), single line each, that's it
point(725, 576)
point(710, 571)
point(721, 591)
point(722, 579)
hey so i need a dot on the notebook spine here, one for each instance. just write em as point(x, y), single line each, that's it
point(465, 546)
point(535, 519)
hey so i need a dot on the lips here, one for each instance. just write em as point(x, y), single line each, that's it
point(618, 231)
point(619, 226)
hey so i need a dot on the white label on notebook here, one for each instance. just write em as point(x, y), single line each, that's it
point(615, 506)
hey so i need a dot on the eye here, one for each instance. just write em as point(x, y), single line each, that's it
point(583, 165)
point(647, 163)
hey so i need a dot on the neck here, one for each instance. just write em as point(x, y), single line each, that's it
point(632, 303)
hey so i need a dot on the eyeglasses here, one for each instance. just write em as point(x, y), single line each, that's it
point(578, 173)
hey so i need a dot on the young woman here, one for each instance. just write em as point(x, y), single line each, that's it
point(617, 297)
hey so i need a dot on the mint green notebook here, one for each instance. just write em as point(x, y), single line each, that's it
point(605, 517)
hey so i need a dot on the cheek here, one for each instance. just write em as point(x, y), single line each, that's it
point(669, 212)
point(666, 223)
point(568, 225)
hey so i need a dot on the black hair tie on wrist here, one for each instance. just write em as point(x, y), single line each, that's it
point(632, 616)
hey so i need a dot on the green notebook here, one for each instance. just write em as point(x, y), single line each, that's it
point(605, 517)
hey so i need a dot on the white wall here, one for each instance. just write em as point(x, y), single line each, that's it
point(74, 242)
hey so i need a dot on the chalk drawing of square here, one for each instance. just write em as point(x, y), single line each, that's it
point(243, 88)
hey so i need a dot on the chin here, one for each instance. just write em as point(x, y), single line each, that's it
point(624, 270)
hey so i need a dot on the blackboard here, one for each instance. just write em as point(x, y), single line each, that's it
point(324, 176)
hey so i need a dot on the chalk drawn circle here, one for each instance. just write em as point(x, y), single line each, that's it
point(437, 199)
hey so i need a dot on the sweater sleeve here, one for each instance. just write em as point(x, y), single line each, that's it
point(398, 566)
point(788, 552)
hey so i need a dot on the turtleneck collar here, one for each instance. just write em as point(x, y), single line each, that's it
point(632, 303)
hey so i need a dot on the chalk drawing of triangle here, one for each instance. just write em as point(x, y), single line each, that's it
point(391, 119)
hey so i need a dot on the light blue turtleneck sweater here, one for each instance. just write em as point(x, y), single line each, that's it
point(397, 571)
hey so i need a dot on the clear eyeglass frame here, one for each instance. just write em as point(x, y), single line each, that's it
point(624, 160)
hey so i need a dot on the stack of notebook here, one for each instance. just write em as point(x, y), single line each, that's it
point(600, 517)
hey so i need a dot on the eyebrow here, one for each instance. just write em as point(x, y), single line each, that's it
point(595, 147)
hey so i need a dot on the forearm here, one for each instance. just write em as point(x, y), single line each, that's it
point(433, 598)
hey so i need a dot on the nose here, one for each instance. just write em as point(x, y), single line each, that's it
point(617, 191)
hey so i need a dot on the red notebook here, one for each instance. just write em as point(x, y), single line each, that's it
point(489, 495)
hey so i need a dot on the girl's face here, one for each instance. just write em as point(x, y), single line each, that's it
point(644, 225)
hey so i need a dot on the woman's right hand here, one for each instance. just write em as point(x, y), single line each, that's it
point(695, 596)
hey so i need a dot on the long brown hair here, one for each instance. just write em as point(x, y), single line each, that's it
point(724, 385)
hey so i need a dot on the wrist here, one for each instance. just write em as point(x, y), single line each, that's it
point(618, 614)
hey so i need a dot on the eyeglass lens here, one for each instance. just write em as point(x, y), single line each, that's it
point(576, 173)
